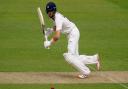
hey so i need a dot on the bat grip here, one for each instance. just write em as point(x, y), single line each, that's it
point(46, 39)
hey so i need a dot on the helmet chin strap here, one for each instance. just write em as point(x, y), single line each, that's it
point(53, 16)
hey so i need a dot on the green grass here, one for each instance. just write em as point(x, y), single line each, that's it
point(103, 25)
point(63, 86)
point(121, 3)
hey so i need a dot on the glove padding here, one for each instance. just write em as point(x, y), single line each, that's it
point(48, 31)
point(47, 44)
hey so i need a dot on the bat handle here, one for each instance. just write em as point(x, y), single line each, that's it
point(46, 39)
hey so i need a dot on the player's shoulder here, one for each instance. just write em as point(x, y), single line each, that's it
point(58, 15)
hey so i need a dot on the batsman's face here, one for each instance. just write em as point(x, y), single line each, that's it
point(51, 14)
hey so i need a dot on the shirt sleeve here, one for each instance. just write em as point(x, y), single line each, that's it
point(58, 22)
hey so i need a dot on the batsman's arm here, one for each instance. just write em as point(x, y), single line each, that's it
point(54, 28)
point(56, 36)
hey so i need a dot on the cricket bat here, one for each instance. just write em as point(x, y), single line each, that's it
point(41, 18)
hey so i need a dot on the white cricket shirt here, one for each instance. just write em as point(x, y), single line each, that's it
point(63, 24)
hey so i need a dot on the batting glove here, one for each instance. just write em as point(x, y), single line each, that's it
point(47, 44)
point(48, 31)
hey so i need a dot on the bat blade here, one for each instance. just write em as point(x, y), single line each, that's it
point(41, 18)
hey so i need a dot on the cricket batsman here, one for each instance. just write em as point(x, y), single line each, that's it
point(63, 26)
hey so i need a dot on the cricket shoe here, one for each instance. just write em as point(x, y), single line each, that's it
point(98, 62)
point(82, 76)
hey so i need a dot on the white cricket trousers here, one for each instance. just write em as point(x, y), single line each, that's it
point(73, 57)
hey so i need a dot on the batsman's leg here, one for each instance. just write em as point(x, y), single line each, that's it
point(73, 42)
point(91, 60)
point(74, 61)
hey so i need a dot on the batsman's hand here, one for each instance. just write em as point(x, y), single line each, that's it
point(47, 44)
point(48, 31)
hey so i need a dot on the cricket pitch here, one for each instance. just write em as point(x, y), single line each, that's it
point(62, 77)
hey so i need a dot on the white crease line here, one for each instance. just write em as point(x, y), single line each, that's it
point(112, 79)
